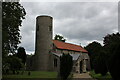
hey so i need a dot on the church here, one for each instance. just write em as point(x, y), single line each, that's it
point(48, 51)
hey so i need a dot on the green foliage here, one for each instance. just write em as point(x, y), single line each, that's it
point(99, 76)
point(97, 56)
point(22, 54)
point(12, 15)
point(66, 64)
point(114, 67)
point(59, 38)
point(111, 39)
point(12, 63)
point(110, 43)
point(112, 47)
point(93, 50)
point(100, 63)
point(106, 58)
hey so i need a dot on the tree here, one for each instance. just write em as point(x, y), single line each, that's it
point(66, 64)
point(93, 49)
point(110, 41)
point(115, 63)
point(12, 15)
point(12, 63)
point(22, 54)
point(97, 56)
point(112, 47)
point(100, 65)
point(59, 38)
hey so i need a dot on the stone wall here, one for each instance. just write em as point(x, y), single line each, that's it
point(82, 64)
point(43, 43)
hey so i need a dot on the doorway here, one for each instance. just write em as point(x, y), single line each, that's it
point(81, 66)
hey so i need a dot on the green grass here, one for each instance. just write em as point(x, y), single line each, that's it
point(34, 74)
point(99, 76)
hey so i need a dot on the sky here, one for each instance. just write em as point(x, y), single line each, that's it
point(79, 22)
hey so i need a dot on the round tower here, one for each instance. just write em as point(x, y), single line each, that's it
point(43, 42)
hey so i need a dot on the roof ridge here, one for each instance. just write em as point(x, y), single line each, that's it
point(69, 43)
point(69, 46)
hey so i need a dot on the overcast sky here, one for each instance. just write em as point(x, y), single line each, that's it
point(78, 22)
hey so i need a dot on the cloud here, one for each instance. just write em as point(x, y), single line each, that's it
point(79, 22)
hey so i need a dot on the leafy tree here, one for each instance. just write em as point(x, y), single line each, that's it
point(12, 63)
point(112, 47)
point(115, 63)
point(97, 56)
point(66, 64)
point(60, 38)
point(12, 15)
point(93, 49)
point(22, 54)
point(100, 63)
point(110, 41)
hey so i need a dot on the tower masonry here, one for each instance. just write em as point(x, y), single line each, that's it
point(43, 43)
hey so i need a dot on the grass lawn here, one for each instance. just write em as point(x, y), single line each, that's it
point(99, 76)
point(34, 74)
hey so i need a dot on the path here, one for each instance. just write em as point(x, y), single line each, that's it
point(83, 76)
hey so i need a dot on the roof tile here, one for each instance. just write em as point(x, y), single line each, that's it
point(68, 46)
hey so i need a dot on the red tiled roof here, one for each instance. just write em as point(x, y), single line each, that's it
point(68, 46)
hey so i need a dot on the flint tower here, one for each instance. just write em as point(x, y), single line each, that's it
point(43, 43)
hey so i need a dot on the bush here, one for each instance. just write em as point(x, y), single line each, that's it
point(12, 63)
point(112, 47)
point(100, 63)
point(65, 66)
point(115, 63)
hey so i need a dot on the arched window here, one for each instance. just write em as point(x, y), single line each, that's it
point(55, 62)
point(50, 28)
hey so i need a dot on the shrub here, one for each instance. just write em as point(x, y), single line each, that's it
point(65, 65)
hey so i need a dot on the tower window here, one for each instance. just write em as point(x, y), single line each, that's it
point(50, 28)
point(55, 62)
